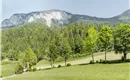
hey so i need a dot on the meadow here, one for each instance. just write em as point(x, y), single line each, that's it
point(7, 68)
point(80, 72)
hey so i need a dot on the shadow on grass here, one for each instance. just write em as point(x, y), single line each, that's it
point(44, 69)
point(109, 62)
point(115, 61)
point(52, 68)
point(100, 62)
point(84, 64)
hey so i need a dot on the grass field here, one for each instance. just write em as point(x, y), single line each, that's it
point(108, 70)
point(47, 63)
point(81, 60)
point(80, 72)
point(7, 68)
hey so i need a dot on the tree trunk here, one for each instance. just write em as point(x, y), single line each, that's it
point(65, 62)
point(51, 64)
point(92, 57)
point(124, 57)
point(28, 65)
point(105, 55)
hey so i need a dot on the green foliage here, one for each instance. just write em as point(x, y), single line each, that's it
point(30, 57)
point(105, 39)
point(29, 70)
point(27, 59)
point(38, 37)
point(34, 35)
point(3, 56)
point(65, 50)
point(101, 60)
point(122, 39)
point(91, 41)
point(68, 64)
point(34, 69)
point(52, 53)
point(19, 69)
point(1, 76)
point(30, 43)
point(97, 61)
point(58, 66)
point(91, 62)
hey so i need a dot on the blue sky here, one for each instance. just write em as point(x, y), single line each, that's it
point(99, 8)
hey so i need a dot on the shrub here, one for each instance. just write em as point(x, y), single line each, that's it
point(68, 64)
point(1, 76)
point(34, 69)
point(97, 61)
point(105, 61)
point(59, 66)
point(19, 69)
point(3, 57)
point(30, 70)
point(91, 62)
point(101, 60)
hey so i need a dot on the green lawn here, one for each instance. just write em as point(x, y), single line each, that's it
point(47, 63)
point(80, 72)
point(8, 69)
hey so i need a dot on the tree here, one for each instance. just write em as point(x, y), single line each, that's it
point(21, 59)
point(52, 53)
point(65, 51)
point(91, 41)
point(19, 68)
point(122, 40)
point(3, 56)
point(30, 58)
point(105, 38)
point(21, 63)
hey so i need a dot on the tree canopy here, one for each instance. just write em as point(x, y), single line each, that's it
point(122, 39)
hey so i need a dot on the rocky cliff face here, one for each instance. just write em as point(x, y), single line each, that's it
point(49, 17)
point(57, 17)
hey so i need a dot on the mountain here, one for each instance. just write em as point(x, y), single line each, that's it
point(58, 17)
point(125, 16)
point(49, 17)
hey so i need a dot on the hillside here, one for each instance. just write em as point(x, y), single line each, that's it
point(58, 17)
point(125, 16)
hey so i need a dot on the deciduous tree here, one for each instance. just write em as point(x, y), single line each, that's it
point(122, 40)
point(91, 41)
point(105, 38)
